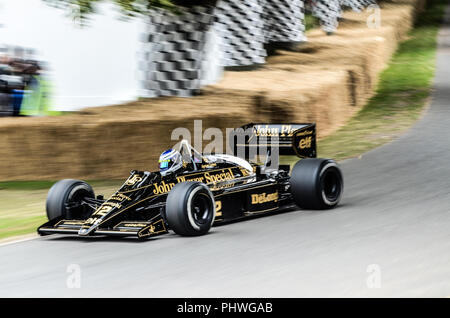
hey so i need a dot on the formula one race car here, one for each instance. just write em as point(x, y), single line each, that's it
point(193, 191)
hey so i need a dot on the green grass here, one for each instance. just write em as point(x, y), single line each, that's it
point(26, 185)
point(20, 226)
point(22, 204)
point(402, 93)
point(46, 185)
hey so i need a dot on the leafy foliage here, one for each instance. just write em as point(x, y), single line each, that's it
point(81, 9)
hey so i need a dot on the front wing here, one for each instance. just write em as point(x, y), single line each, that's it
point(140, 229)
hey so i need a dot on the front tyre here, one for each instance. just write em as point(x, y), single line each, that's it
point(190, 209)
point(317, 184)
point(66, 193)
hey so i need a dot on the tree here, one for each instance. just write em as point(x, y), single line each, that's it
point(81, 9)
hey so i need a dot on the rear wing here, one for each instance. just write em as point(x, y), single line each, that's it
point(285, 139)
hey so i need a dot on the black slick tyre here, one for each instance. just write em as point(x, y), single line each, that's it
point(317, 184)
point(190, 209)
point(64, 193)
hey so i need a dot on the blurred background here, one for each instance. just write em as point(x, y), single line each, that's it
point(99, 53)
point(86, 66)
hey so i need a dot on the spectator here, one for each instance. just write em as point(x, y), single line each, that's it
point(5, 70)
point(37, 93)
point(19, 72)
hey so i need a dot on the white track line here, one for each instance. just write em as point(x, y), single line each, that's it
point(19, 239)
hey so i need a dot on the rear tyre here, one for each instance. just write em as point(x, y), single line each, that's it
point(190, 209)
point(317, 184)
point(67, 192)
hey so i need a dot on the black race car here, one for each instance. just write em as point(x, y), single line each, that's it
point(201, 190)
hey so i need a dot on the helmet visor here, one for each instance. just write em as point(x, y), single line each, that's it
point(164, 165)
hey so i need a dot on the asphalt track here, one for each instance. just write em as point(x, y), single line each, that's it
point(394, 221)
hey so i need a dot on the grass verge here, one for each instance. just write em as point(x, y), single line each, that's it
point(22, 204)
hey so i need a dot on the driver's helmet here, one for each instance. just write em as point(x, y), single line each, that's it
point(170, 160)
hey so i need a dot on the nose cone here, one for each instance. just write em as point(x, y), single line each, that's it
point(83, 231)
